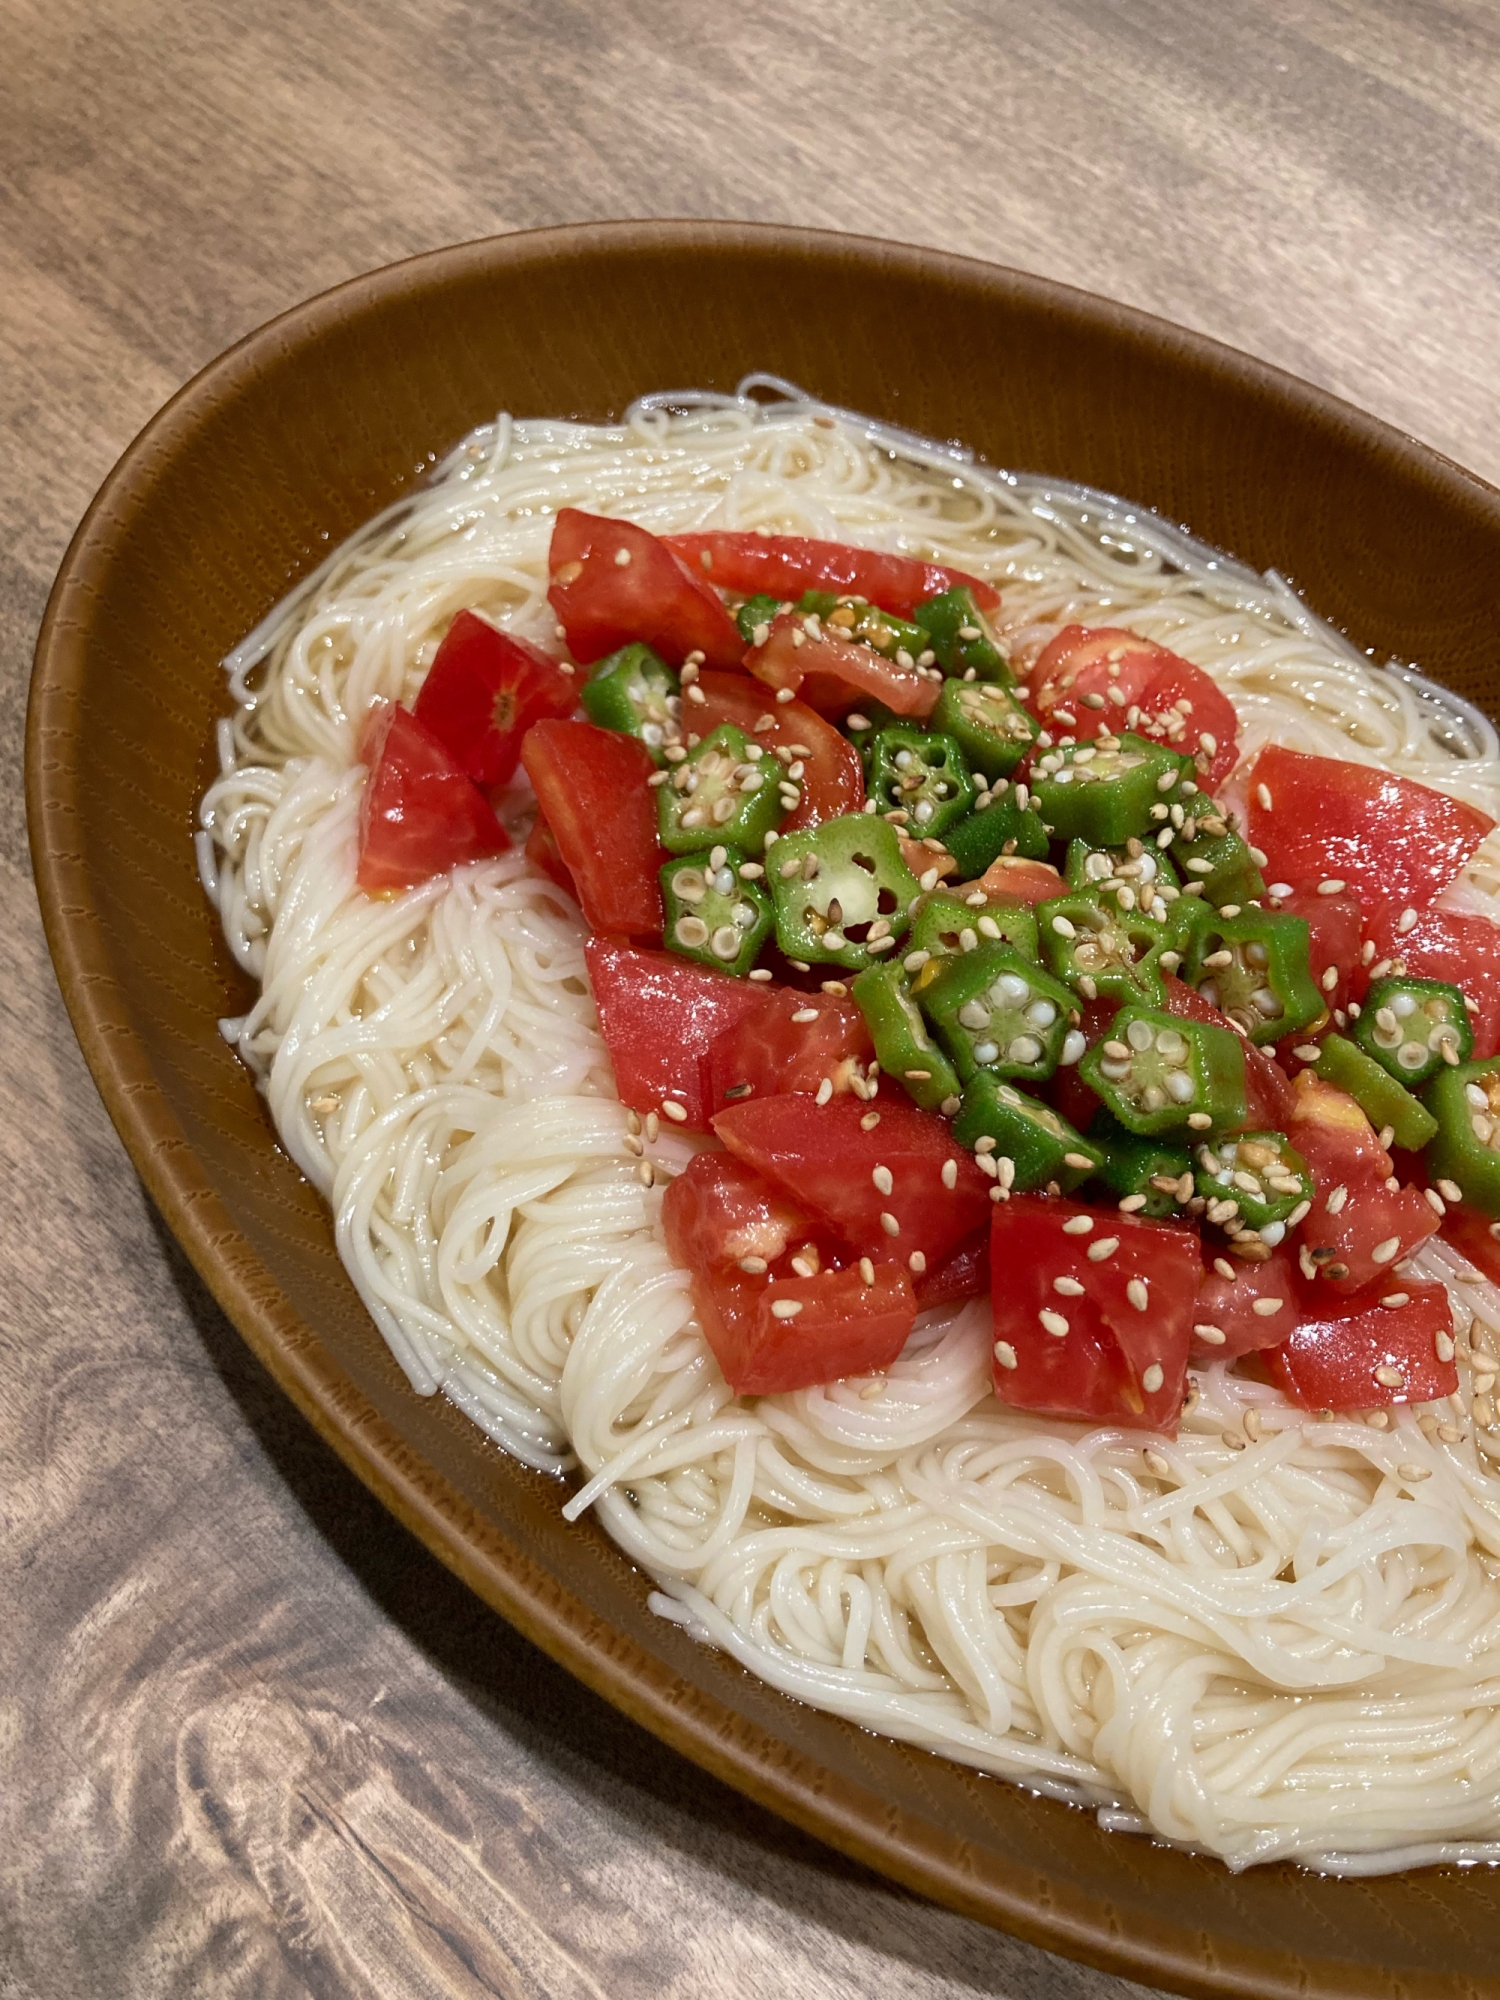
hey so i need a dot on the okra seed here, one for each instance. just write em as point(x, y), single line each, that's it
point(1072, 1048)
point(1411, 1055)
point(691, 933)
point(1010, 987)
point(1024, 1049)
point(1171, 1046)
point(1180, 1087)
point(1041, 1014)
point(1140, 1036)
point(986, 1052)
point(974, 1014)
point(725, 942)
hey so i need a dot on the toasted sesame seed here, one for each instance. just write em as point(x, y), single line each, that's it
point(889, 1223)
point(1390, 1378)
point(1156, 1463)
point(824, 1091)
point(1333, 886)
point(1251, 1421)
point(1079, 1160)
point(1263, 794)
point(653, 1126)
point(1132, 1203)
point(1199, 1120)
point(1233, 1439)
point(675, 1111)
point(1068, 1288)
point(916, 1263)
point(1384, 1252)
point(950, 1173)
point(1450, 1191)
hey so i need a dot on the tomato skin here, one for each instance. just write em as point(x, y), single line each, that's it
point(591, 786)
point(1337, 1141)
point(1013, 879)
point(844, 1327)
point(1267, 1088)
point(1388, 837)
point(825, 1159)
point(1329, 1361)
point(1094, 1372)
point(963, 1274)
point(658, 1014)
point(719, 1211)
point(1335, 933)
point(484, 690)
point(1150, 678)
point(1472, 1235)
point(837, 672)
point(420, 814)
point(785, 566)
point(777, 1055)
point(602, 604)
point(1229, 1305)
point(1464, 950)
point(833, 782)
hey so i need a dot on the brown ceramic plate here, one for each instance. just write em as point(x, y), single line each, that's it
point(298, 435)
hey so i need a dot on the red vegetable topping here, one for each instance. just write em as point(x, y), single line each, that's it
point(420, 814)
point(484, 690)
point(658, 1015)
point(788, 1042)
point(543, 852)
point(613, 582)
point(1143, 687)
point(1443, 944)
point(965, 1274)
point(1473, 1236)
point(1335, 933)
point(1366, 1354)
point(853, 1177)
point(1228, 1306)
point(1388, 838)
point(1100, 1339)
point(1358, 1227)
point(720, 1212)
point(786, 565)
point(1013, 879)
point(591, 785)
point(833, 673)
point(1267, 1087)
point(832, 781)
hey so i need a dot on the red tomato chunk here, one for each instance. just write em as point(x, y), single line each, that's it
point(1329, 820)
point(775, 1306)
point(1142, 687)
point(1473, 1236)
point(881, 1190)
point(658, 1015)
point(1443, 944)
point(1229, 1306)
point(1358, 1227)
point(1101, 1339)
point(1267, 1087)
point(787, 565)
point(789, 1042)
point(613, 582)
point(1013, 879)
point(832, 781)
point(420, 813)
point(1367, 1354)
point(965, 1274)
point(484, 690)
point(833, 674)
point(591, 786)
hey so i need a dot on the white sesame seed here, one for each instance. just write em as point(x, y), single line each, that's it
point(1076, 1225)
point(1263, 794)
point(645, 1173)
point(1137, 1294)
point(1267, 1308)
point(881, 1176)
point(1450, 1191)
point(1153, 1378)
point(916, 1263)
point(889, 1223)
point(785, 1308)
point(1332, 886)
point(1407, 921)
point(1053, 1322)
point(1106, 1246)
point(1005, 1354)
point(1132, 1204)
point(1390, 1378)
point(1384, 1252)
point(950, 1173)
point(622, 557)
point(676, 1112)
point(825, 1091)
point(1214, 1336)
point(1068, 1288)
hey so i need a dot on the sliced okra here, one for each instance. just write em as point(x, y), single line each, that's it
point(1033, 1145)
point(1256, 968)
point(1103, 791)
point(1157, 1073)
point(1254, 1180)
point(1100, 950)
point(842, 891)
point(995, 1009)
point(713, 912)
point(960, 635)
point(922, 774)
point(635, 691)
point(904, 1047)
point(1466, 1147)
point(1413, 1027)
point(990, 726)
point(725, 792)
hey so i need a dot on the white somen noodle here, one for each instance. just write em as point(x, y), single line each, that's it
point(1274, 1636)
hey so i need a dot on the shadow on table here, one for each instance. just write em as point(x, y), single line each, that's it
point(544, 1706)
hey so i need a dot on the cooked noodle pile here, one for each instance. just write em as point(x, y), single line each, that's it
point(1274, 1637)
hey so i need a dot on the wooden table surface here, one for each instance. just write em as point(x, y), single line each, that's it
point(255, 1741)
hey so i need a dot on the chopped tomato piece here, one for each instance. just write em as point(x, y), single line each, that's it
point(789, 1042)
point(920, 858)
point(484, 690)
point(658, 1014)
point(613, 582)
point(1335, 933)
point(1472, 1235)
point(1143, 687)
point(719, 1212)
point(826, 1159)
point(786, 565)
point(1443, 944)
point(1337, 1355)
point(1229, 1306)
point(1112, 1345)
point(1358, 1227)
point(832, 781)
point(543, 852)
point(591, 786)
point(420, 813)
point(1388, 838)
point(1013, 879)
point(1267, 1087)
point(842, 1326)
point(963, 1274)
point(834, 674)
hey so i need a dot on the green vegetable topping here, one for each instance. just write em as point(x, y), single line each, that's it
point(960, 635)
point(1255, 1181)
point(1466, 1104)
point(1139, 876)
point(1155, 1174)
point(636, 692)
point(921, 777)
point(1412, 1027)
point(993, 1008)
point(1256, 969)
point(842, 892)
point(1157, 1073)
point(727, 790)
point(1098, 948)
point(1383, 1101)
point(716, 910)
point(987, 722)
point(943, 925)
point(1030, 1145)
point(1103, 791)
point(1001, 827)
point(1218, 862)
point(754, 619)
point(903, 1047)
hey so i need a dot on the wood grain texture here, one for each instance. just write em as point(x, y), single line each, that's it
point(255, 1741)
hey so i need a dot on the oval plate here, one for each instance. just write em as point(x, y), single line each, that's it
point(303, 431)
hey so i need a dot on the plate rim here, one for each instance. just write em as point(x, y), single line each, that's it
point(899, 1845)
